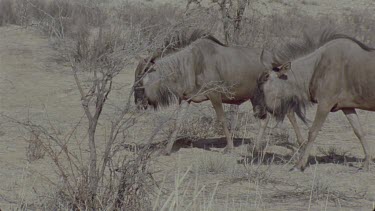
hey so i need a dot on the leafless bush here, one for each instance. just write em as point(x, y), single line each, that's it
point(197, 127)
point(95, 177)
point(64, 17)
point(98, 58)
point(106, 180)
point(151, 24)
point(57, 18)
point(35, 150)
point(359, 24)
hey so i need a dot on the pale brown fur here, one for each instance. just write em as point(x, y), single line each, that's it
point(207, 70)
point(338, 75)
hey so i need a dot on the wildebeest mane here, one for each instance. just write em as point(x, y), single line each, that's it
point(308, 44)
point(165, 97)
point(181, 39)
point(290, 104)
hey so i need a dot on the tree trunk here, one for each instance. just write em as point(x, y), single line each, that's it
point(241, 5)
point(225, 19)
point(93, 176)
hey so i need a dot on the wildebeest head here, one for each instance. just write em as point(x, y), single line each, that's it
point(150, 86)
point(279, 93)
point(143, 68)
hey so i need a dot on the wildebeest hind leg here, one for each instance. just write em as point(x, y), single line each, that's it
point(218, 106)
point(262, 129)
point(352, 116)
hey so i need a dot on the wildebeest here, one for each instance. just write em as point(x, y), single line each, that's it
point(203, 69)
point(337, 72)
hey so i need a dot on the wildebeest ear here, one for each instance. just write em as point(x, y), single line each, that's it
point(275, 65)
point(285, 68)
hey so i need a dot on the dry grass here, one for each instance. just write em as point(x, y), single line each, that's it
point(214, 163)
point(94, 36)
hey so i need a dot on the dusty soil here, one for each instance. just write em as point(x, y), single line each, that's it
point(34, 85)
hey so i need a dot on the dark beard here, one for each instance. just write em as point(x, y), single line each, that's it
point(291, 104)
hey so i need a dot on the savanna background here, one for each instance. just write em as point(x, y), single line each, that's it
point(72, 139)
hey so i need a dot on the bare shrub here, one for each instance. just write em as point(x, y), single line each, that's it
point(35, 150)
point(97, 180)
point(64, 17)
point(95, 176)
point(197, 127)
point(152, 23)
point(358, 23)
point(100, 57)
point(135, 184)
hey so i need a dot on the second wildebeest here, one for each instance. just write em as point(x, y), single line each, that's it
point(336, 72)
point(202, 69)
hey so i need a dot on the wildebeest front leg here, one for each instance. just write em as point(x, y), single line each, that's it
point(218, 106)
point(352, 116)
point(262, 129)
point(292, 118)
point(320, 117)
point(180, 115)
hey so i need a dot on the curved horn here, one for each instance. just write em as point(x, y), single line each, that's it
point(277, 59)
point(263, 62)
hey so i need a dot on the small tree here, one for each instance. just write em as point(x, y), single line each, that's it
point(232, 15)
point(100, 58)
point(96, 54)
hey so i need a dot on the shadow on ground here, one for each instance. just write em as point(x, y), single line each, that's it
point(208, 143)
point(267, 158)
point(275, 158)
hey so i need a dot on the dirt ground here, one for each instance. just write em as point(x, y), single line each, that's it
point(33, 84)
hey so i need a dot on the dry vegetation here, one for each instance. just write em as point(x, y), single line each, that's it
point(92, 164)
